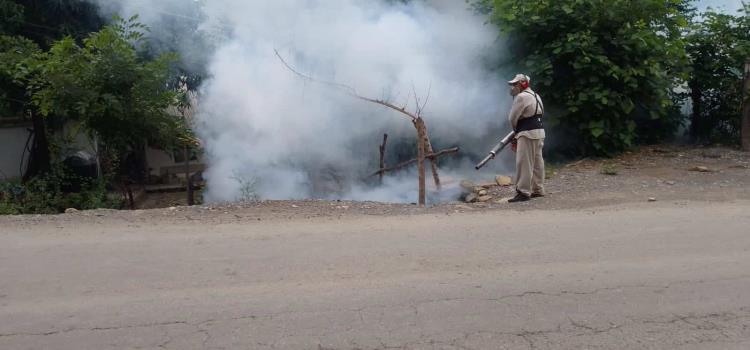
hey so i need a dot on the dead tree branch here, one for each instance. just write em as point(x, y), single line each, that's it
point(382, 155)
point(349, 90)
point(421, 105)
point(404, 164)
point(423, 141)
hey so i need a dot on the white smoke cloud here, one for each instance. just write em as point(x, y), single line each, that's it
point(289, 138)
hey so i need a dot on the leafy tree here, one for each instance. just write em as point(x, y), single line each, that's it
point(26, 26)
point(12, 15)
point(718, 45)
point(46, 21)
point(607, 68)
point(13, 52)
point(116, 96)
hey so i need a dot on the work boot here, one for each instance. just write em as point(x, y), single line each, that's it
point(520, 197)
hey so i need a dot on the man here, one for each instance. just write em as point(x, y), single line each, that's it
point(526, 119)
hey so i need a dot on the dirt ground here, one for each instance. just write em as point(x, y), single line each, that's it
point(649, 174)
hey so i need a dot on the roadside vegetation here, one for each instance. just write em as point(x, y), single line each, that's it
point(615, 74)
point(75, 76)
point(618, 73)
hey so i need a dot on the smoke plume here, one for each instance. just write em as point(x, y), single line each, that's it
point(270, 134)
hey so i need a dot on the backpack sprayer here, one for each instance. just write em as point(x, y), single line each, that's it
point(497, 149)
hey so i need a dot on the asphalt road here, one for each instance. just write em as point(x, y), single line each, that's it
point(638, 276)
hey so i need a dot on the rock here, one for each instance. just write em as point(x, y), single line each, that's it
point(478, 189)
point(482, 193)
point(471, 198)
point(503, 180)
point(467, 186)
point(71, 211)
point(483, 199)
point(670, 183)
point(714, 155)
point(172, 208)
point(488, 185)
point(652, 199)
point(701, 169)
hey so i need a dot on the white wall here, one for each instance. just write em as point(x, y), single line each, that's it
point(12, 142)
point(156, 159)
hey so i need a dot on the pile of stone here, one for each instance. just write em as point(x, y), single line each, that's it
point(482, 193)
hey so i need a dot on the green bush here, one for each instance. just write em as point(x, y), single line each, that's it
point(53, 193)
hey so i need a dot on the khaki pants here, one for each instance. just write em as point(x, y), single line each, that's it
point(530, 166)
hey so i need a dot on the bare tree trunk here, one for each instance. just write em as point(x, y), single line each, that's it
point(131, 198)
point(746, 110)
point(382, 156)
point(188, 179)
point(697, 124)
point(127, 191)
point(433, 162)
point(421, 133)
point(99, 174)
point(40, 159)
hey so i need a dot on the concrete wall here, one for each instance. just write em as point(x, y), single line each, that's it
point(161, 163)
point(13, 138)
point(156, 159)
point(12, 142)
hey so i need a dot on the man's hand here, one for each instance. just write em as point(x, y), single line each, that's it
point(514, 145)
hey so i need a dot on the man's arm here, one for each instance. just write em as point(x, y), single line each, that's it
point(516, 110)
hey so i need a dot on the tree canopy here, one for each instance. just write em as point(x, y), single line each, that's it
point(59, 65)
point(718, 45)
point(606, 67)
point(108, 88)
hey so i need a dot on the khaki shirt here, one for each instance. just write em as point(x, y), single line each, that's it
point(525, 106)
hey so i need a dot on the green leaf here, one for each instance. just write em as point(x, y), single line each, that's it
point(596, 132)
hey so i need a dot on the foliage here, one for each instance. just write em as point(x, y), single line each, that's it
point(53, 193)
point(45, 21)
point(12, 15)
point(13, 52)
point(606, 68)
point(108, 89)
point(719, 46)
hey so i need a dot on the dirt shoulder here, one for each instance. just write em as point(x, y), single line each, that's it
point(656, 173)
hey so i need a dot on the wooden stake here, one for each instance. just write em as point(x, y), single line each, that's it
point(421, 133)
point(433, 162)
point(382, 156)
point(190, 195)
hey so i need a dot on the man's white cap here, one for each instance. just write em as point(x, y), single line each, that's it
point(519, 77)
